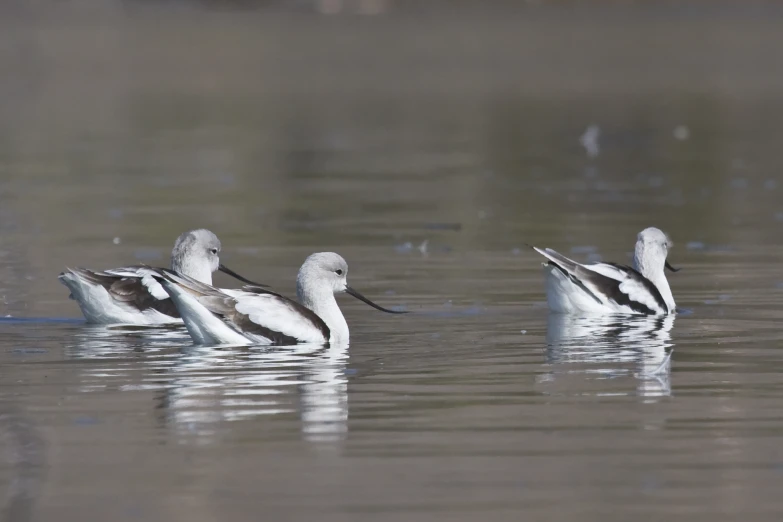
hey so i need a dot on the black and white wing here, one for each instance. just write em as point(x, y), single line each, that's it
point(612, 283)
point(141, 272)
point(128, 286)
point(253, 312)
point(278, 318)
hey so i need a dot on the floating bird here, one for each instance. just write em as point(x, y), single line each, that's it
point(610, 288)
point(124, 296)
point(258, 316)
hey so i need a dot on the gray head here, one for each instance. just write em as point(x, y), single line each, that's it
point(652, 248)
point(326, 272)
point(655, 236)
point(196, 254)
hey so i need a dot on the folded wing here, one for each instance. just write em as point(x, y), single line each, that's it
point(255, 312)
point(127, 288)
point(610, 283)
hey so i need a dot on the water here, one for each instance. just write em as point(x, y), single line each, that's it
point(427, 150)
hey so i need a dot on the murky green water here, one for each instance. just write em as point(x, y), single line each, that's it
point(427, 150)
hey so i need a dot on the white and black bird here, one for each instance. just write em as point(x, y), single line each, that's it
point(129, 296)
point(611, 288)
point(257, 316)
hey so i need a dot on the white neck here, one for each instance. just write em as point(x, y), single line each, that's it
point(324, 305)
point(192, 268)
point(653, 270)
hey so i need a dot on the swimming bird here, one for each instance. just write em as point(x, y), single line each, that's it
point(258, 316)
point(122, 296)
point(609, 288)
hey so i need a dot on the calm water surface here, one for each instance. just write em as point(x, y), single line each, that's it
point(428, 161)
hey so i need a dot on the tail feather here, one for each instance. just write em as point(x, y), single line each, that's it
point(201, 307)
point(192, 286)
point(577, 273)
point(206, 295)
point(85, 274)
point(568, 265)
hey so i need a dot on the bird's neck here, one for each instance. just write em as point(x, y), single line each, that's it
point(198, 271)
point(324, 305)
point(653, 270)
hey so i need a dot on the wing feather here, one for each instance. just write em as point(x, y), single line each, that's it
point(279, 314)
point(127, 288)
point(256, 311)
point(618, 284)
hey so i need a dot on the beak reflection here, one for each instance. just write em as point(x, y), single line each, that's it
point(360, 297)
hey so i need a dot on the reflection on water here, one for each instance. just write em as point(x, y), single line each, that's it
point(102, 341)
point(324, 396)
point(608, 346)
point(199, 387)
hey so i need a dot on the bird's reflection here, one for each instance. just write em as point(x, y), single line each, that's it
point(110, 356)
point(199, 388)
point(325, 397)
point(100, 341)
point(609, 346)
point(218, 384)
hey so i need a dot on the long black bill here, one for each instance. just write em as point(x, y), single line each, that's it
point(670, 267)
point(223, 268)
point(360, 297)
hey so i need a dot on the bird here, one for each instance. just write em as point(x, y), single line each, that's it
point(257, 316)
point(121, 296)
point(611, 288)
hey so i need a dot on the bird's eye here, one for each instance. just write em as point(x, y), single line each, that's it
point(213, 250)
point(339, 271)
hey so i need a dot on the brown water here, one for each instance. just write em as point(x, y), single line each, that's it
point(427, 147)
